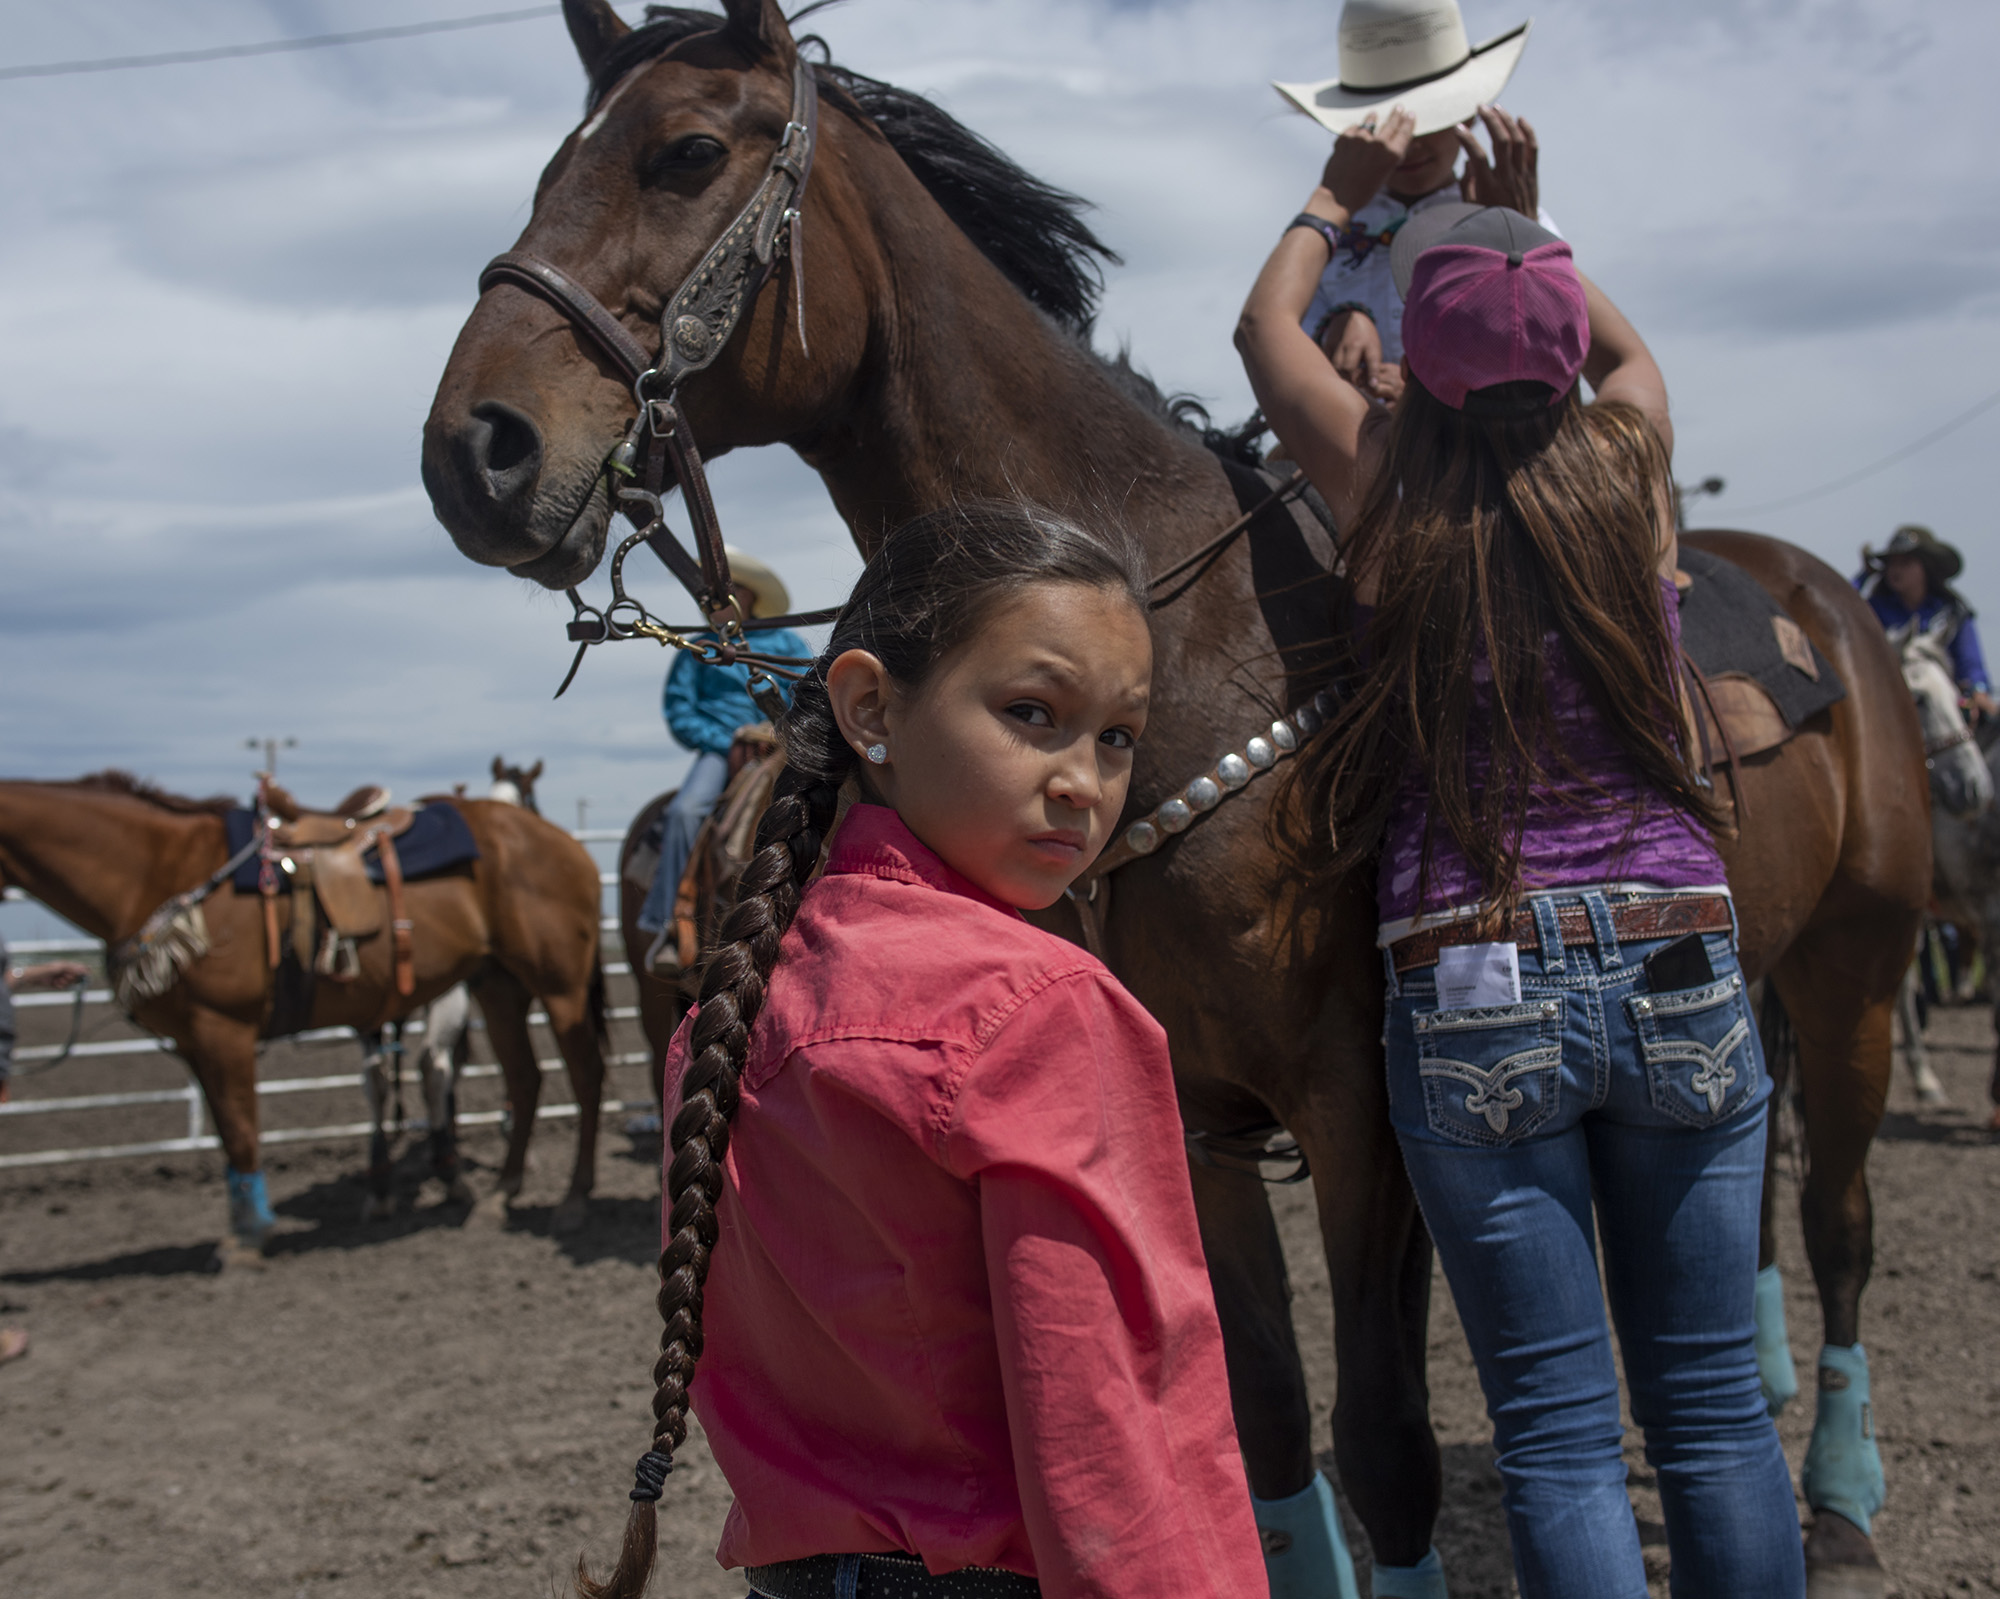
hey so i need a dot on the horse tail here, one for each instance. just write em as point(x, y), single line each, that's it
point(1780, 1040)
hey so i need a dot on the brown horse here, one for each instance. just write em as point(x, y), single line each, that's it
point(520, 923)
point(946, 304)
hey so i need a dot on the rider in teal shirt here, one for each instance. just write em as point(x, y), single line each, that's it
point(704, 705)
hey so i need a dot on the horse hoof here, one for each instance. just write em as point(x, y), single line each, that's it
point(1841, 1561)
point(570, 1215)
point(238, 1254)
point(490, 1211)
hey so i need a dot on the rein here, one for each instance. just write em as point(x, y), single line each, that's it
point(698, 322)
point(69, 1043)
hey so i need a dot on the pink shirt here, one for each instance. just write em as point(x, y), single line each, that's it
point(958, 1305)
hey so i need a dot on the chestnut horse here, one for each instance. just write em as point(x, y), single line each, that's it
point(946, 304)
point(518, 924)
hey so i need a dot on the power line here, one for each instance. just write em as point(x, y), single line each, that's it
point(321, 41)
point(1870, 470)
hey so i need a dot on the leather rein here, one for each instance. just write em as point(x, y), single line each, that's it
point(659, 449)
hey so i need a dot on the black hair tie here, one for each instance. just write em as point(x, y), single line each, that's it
point(649, 1479)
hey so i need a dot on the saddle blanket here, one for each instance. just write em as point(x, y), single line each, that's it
point(1731, 627)
point(438, 840)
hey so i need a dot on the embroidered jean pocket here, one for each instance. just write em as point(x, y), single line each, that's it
point(1490, 1074)
point(1701, 1063)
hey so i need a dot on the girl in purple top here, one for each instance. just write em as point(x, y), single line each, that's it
point(1569, 1048)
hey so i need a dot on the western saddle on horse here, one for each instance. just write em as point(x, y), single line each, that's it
point(321, 852)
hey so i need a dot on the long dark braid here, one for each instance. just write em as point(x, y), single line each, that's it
point(922, 594)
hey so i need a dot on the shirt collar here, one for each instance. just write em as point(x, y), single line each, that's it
point(873, 841)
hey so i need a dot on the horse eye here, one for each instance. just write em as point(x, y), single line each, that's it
point(692, 154)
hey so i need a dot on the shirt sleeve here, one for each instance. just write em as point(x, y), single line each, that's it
point(1110, 1354)
point(1968, 660)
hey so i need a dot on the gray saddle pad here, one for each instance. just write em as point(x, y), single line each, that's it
point(1727, 626)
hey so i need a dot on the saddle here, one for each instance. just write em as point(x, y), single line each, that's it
point(1753, 677)
point(322, 853)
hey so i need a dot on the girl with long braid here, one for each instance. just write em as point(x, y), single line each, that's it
point(929, 1231)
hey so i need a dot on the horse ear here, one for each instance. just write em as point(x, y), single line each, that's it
point(759, 25)
point(534, 771)
point(594, 28)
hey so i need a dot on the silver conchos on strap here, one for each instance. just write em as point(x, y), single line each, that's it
point(1232, 772)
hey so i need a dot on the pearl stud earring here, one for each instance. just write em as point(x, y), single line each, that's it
point(878, 753)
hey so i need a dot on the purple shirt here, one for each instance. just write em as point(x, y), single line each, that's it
point(1574, 835)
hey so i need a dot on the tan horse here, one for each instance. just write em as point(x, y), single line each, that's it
point(946, 299)
point(518, 924)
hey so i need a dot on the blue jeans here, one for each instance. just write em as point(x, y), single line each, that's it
point(685, 813)
point(1594, 1102)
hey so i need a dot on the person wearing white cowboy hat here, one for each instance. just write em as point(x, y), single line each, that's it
point(1410, 85)
point(704, 706)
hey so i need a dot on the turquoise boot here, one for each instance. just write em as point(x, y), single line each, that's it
point(1305, 1552)
point(1843, 1467)
point(1780, 1378)
point(250, 1214)
point(1424, 1580)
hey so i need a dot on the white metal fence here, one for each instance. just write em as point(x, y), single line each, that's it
point(197, 1137)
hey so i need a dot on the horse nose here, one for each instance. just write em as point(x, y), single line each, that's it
point(501, 450)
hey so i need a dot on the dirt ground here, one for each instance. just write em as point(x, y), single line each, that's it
point(446, 1405)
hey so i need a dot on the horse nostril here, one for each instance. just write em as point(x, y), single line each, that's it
point(506, 449)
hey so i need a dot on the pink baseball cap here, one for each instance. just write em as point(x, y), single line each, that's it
point(1489, 297)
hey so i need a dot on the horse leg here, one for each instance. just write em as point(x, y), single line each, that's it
point(1305, 1550)
point(505, 1004)
point(1776, 1374)
point(223, 1055)
point(575, 1017)
point(376, 1206)
point(1845, 1045)
point(445, 1028)
point(1909, 1018)
point(1378, 1257)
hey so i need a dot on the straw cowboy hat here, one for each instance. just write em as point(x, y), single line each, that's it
point(1411, 53)
point(773, 599)
point(1942, 562)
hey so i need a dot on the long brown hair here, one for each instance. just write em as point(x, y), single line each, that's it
point(925, 591)
point(1489, 534)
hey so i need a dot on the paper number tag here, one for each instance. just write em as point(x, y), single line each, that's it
point(1470, 976)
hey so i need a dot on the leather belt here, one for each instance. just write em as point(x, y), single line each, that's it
point(886, 1577)
point(1664, 916)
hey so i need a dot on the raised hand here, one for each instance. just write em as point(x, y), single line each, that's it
point(1509, 177)
point(1364, 156)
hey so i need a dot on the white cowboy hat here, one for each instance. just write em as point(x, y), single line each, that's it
point(1411, 53)
point(773, 599)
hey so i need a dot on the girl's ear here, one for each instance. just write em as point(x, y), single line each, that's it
point(859, 688)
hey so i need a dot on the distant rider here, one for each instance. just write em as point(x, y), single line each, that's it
point(1908, 581)
point(704, 706)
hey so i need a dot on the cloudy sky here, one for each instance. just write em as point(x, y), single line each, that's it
point(227, 291)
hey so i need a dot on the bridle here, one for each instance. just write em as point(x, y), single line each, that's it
point(697, 323)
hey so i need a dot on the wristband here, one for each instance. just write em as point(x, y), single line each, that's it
point(1325, 229)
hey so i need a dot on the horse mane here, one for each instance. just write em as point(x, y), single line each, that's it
point(113, 781)
point(1031, 230)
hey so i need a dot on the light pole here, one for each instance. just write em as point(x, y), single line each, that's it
point(1683, 492)
point(270, 747)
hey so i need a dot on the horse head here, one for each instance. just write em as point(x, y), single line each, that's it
point(1960, 780)
point(682, 120)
